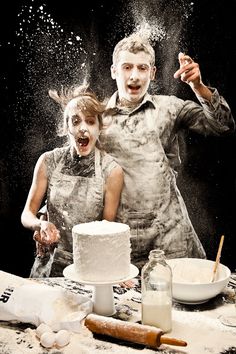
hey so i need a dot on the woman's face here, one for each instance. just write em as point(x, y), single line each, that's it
point(83, 131)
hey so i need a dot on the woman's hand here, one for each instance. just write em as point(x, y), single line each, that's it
point(48, 233)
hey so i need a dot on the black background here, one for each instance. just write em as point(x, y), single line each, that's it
point(45, 44)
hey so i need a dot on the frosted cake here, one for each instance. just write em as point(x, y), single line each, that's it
point(101, 251)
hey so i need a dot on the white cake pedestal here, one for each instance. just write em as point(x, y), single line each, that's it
point(103, 297)
point(103, 300)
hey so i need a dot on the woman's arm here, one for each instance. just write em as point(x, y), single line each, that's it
point(113, 188)
point(47, 231)
point(35, 197)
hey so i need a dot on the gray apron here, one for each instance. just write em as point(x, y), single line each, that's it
point(71, 200)
point(151, 203)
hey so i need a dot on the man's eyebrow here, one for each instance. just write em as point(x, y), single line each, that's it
point(139, 64)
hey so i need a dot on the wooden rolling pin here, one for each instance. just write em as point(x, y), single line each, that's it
point(132, 332)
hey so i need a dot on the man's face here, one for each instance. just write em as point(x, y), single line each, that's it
point(133, 73)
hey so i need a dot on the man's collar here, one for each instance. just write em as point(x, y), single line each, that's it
point(112, 103)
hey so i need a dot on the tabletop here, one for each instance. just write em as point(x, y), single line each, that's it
point(198, 325)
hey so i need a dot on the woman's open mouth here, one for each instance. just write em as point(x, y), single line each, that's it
point(83, 141)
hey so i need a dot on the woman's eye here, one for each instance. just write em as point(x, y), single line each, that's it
point(75, 122)
point(90, 121)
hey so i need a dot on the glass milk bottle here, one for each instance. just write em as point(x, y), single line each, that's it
point(156, 283)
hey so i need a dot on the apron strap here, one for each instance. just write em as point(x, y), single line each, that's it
point(98, 170)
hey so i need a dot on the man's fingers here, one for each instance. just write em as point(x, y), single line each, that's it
point(184, 61)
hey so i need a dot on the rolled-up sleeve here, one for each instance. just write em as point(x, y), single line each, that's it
point(210, 117)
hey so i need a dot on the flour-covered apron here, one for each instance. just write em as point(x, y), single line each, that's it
point(151, 203)
point(70, 200)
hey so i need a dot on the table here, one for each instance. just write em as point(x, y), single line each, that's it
point(198, 325)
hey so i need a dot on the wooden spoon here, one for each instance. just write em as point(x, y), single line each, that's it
point(217, 259)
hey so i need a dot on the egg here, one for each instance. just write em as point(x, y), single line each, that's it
point(43, 327)
point(47, 339)
point(62, 338)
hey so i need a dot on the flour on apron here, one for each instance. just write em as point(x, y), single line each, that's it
point(151, 203)
point(70, 200)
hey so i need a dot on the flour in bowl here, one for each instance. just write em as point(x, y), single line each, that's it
point(191, 273)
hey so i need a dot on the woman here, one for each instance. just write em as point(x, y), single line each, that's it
point(80, 182)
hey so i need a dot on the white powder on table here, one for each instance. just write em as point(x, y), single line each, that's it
point(26, 342)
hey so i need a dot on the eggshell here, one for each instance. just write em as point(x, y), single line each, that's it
point(41, 329)
point(47, 339)
point(62, 338)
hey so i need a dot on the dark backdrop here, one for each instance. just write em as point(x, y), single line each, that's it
point(45, 44)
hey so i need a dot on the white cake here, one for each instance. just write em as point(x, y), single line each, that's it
point(101, 251)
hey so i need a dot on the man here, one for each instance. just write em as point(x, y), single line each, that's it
point(142, 135)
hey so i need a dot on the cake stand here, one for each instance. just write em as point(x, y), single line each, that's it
point(103, 297)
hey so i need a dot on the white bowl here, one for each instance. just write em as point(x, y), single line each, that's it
point(191, 279)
